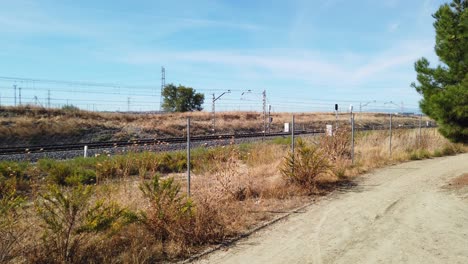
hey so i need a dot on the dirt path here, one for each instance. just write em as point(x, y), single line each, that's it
point(400, 214)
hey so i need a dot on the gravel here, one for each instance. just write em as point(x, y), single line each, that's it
point(69, 154)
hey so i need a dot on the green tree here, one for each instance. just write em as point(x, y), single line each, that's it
point(181, 99)
point(445, 88)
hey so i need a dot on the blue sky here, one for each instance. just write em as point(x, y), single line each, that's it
point(306, 54)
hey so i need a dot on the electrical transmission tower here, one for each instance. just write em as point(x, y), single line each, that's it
point(14, 88)
point(163, 84)
point(264, 111)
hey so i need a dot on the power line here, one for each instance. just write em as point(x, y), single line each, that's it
point(77, 83)
point(163, 85)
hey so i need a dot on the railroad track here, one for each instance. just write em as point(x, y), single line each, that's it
point(139, 142)
point(162, 141)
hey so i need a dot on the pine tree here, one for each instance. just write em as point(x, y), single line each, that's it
point(445, 88)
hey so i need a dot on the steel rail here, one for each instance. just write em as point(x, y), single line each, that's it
point(159, 141)
point(137, 142)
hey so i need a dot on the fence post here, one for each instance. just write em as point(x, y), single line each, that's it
point(85, 154)
point(188, 156)
point(390, 145)
point(292, 142)
point(352, 138)
point(419, 136)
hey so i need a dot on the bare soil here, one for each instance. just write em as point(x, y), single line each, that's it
point(399, 214)
point(459, 182)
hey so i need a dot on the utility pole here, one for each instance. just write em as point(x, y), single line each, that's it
point(264, 111)
point(269, 119)
point(128, 104)
point(292, 144)
point(213, 113)
point(48, 98)
point(19, 95)
point(390, 142)
point(163, 84)
point(14, 88)
point(352, 134)
point(419, 132)
point(188, 156)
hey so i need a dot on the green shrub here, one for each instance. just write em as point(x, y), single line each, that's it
point(175, 221)
point(282, 140)
point(420, 154)
point(10, 233)
point(448, 149)
point(81, 176)
point(70, 108)
point(64, 173)
point(69, 215)
point(305, 165)
point(59, 172)
point(12, 169)
point(167, 207)
point(46, 165)
point(203, 158)
point(173, 162)
point(15, 173)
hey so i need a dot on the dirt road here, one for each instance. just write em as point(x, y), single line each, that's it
point(400, 214)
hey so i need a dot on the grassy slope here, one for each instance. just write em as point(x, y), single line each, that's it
point(35, 126)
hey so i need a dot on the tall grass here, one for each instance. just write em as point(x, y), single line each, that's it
point(233, 189)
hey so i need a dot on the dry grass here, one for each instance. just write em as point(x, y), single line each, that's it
point(28, 125)
point(373, 149)
point(240, 180)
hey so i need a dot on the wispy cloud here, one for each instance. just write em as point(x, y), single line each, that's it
point(306, 66)
point(26, 18)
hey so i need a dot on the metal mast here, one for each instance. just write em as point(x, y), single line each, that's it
point(213, 108)
point(163, 84)
point(264, 110)
point(14, 88)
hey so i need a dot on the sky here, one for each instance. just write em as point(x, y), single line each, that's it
point(307, 54)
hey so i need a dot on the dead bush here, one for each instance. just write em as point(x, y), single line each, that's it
point(229, 176)
point(337, 146)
